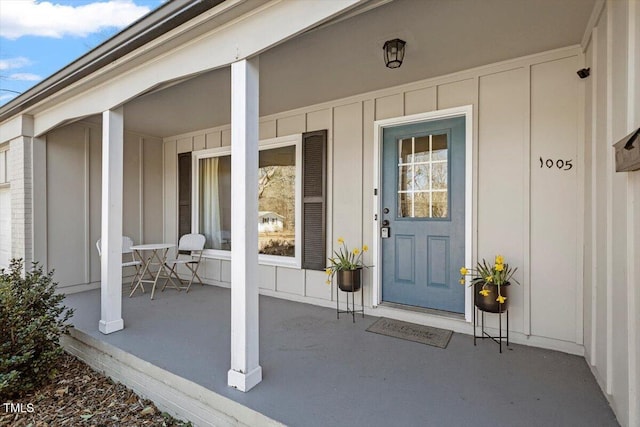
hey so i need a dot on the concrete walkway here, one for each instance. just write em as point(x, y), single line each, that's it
point(320, 371)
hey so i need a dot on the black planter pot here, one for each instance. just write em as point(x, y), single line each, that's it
point(349, 280)
point(489, 303)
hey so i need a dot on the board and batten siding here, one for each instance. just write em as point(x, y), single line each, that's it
point(612, 213)
point(74, 202)
point(524, 109)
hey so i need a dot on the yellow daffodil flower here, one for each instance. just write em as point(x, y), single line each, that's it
point(340, 240)
point(328, 271)
point(356, 251)
point(484, 292)
point(499, 267)
point(499, 259)
point(464, 271)
point(328, 282)
point(501, 299)
point(462, 281)
point(365, 248)
point(489, 279)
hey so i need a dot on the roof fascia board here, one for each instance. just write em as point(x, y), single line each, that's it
point(275, 22)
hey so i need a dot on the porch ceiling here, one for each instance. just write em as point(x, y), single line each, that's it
point(345, 58)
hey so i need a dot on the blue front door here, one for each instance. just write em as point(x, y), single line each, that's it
point(423, 206)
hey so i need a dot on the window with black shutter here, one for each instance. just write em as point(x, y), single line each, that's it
point(314, 190)
point(184, 194)
point(292, 199)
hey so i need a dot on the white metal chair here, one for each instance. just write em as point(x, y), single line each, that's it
point(127, 242)
point(193, 245)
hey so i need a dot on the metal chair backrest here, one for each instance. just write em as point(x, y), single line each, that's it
point(191, 242)
point(127, 242)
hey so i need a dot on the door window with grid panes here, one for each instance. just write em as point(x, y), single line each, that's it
point(423, 178)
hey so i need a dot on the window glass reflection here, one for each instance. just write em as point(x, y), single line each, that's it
point(423, 177)
point(276, 201)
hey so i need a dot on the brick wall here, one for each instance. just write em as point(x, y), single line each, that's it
point(19, 168)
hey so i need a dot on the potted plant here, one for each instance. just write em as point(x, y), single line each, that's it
point(347, 266)
point(490, 284)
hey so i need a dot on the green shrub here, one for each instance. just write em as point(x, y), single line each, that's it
point(31, 321)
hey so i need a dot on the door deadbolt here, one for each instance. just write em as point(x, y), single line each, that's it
point(385, 210)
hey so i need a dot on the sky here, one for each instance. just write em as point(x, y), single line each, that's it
point(40, 37)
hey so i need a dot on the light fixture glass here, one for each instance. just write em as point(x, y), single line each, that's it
point(394, 53)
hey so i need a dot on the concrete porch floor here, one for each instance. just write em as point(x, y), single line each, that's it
point(320, 371)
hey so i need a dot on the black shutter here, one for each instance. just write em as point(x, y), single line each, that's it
point(314, 199)
point(184, 194)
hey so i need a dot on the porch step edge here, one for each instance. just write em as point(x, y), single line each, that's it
point(171, 393)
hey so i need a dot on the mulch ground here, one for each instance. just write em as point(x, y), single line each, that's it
point(80, 396)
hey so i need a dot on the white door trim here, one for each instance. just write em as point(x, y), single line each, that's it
point(379, 125)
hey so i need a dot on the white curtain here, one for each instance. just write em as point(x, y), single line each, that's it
point(210, 202)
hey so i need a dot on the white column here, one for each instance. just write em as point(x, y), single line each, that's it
point(245, 371)
point(111, 259)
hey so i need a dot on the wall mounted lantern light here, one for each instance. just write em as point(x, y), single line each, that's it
point(394, 53)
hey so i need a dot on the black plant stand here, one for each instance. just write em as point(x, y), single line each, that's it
point(485, 334)
point(353, 310)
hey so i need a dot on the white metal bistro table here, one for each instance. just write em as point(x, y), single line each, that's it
point(156, 255)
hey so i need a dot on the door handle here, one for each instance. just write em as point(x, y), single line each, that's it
point(385, 223)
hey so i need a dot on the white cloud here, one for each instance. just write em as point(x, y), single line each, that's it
point(25, 77)
point(7, 97)
point(18, 62)
point(29, 17)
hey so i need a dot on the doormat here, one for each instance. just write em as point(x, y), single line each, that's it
point(410, 331)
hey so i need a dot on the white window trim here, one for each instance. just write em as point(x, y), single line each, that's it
point(266, 144)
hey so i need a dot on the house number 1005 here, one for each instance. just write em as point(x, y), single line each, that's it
point(564, 165)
